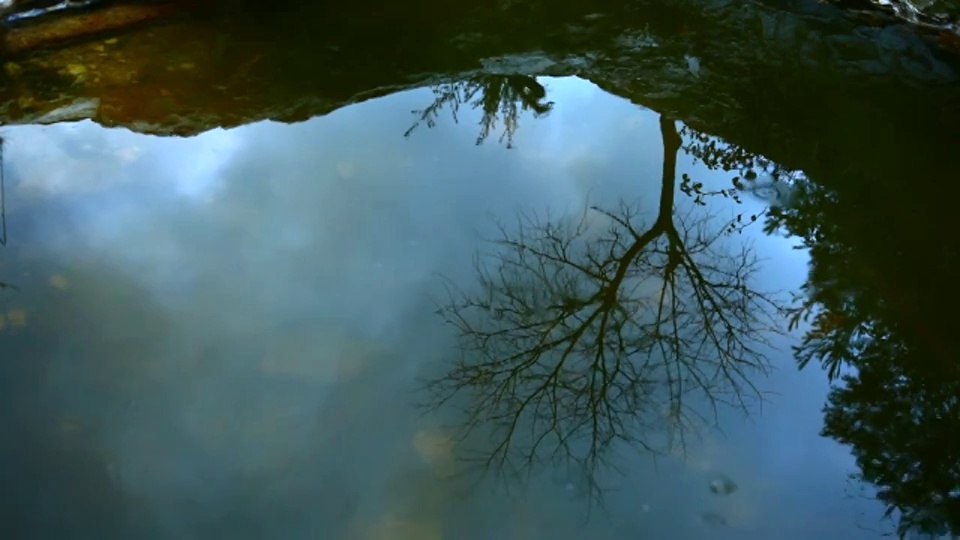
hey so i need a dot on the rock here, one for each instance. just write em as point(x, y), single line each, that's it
point(64, 28)
point(293, 64)
point(390, 527)
point(713, 520)
point(722, 486)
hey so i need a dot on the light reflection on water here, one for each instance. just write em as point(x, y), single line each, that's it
point(237, 322)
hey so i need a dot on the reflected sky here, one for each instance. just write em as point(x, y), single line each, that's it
point(235, 324)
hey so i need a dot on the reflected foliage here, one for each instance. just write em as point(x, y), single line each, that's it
point(606, 329)
point(903, 433)
point(877, 311)
point(751, 173)
point(501, 99)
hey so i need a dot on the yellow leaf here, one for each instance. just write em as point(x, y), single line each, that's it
point(394, 528)
point(69, 425)
point(17, 318)
point(58, 282)
point(436, 449)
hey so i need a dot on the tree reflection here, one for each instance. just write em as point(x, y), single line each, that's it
point(877, 304)
point(903, 431)
point(579, 338)
point(754, 174)
point(500, 98)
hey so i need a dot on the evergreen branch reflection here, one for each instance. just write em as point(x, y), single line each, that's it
point(500, 98)
point(578, 339)
point(875, 315)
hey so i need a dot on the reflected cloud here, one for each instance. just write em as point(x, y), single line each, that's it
point(83, 158)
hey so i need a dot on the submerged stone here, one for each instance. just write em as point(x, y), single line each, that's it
point(713, 520)
point(723, 486)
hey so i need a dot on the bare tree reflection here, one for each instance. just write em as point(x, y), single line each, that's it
point(579, 339)
point(500, 98)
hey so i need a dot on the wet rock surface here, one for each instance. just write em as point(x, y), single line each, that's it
point(752, 72)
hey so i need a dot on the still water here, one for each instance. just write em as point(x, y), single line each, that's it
point(247, 333)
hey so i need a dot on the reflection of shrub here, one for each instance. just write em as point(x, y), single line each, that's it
point(13, 320)
point(500, 98)
point(881, 279)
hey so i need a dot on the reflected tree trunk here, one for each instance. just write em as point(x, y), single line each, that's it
point(577, 339)
point(500, 98)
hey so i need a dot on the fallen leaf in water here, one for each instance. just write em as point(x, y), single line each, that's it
point(432, 445)
point(58, 282)
point(713, 519)
point(69, 425)
point(435, 448)
point(393, 528)
point(17, 318)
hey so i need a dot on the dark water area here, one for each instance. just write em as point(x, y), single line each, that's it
point(510, 289)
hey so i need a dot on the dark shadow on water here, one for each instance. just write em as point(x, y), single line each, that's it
point(92, 367)
point(59, 478)
point(878, 313)
point(881, 304)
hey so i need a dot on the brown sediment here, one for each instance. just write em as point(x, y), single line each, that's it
point(67, 29)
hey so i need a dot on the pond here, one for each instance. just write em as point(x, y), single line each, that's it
point(501, 306)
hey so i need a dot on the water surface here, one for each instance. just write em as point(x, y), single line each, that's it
point(233, 334)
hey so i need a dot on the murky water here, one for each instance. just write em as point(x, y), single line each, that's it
point(248, 333)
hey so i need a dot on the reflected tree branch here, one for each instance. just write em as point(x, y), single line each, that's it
point(500, 98)
point(600, 330)
point(754, 175)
